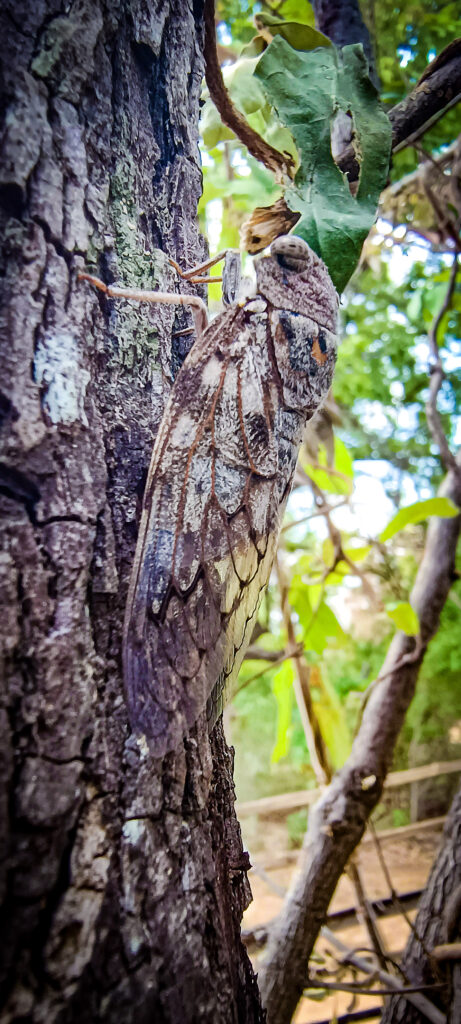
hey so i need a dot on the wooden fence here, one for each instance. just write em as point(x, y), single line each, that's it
point(285, 803)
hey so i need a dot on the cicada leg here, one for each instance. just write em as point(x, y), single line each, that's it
point(199, 310)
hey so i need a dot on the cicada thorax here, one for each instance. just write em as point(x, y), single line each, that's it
point(219, 480)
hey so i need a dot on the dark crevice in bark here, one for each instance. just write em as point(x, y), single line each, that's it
point(12, 200)
point(67, 254)
point(14, 484)
point(66, 519)
point(45, 918)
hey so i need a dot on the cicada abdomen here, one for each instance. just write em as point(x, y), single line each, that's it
point(218, 483)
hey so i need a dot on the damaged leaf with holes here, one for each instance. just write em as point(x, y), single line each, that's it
point(310, 92)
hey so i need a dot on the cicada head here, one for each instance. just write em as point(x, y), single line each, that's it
point(291, 252)
point(293, 277)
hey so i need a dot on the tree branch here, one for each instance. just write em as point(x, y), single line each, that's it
point(314, 739)
point(437, 375)
point(280, 163)
point(434, 92)
point(338, 821)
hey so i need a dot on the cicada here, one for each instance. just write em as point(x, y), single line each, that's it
point(219, 479)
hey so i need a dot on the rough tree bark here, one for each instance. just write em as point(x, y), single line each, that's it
point(438, 922)
point(122, 879)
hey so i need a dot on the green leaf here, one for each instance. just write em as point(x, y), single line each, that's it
point(417, 513)
point(343, 460)
point(254, 48)
point(434, 298)
point(358, 554)
point(307, 91)
point(321, 628)
point(414, 306)
point(298, 35)
point(249, 97)
point(328, 551)
point(326, 480)
point(282, 688)
point(330, 715)
point(336, 479)
point(404, 616)
point(337, 576)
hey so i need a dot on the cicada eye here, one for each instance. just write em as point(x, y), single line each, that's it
point(291, 252)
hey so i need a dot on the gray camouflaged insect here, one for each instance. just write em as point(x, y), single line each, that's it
point(218, 483)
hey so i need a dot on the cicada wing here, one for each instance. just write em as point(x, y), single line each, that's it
point(208, 530)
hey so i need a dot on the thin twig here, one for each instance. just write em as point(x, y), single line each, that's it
point(296, 652)
point(313, 515)
point(254, 653)
point(437, 376)
point(279, 890)
point(362, 990)
point(431, 1012)
point(365, 913)
point(413, 138)
point(339, 553)
point(394, 894)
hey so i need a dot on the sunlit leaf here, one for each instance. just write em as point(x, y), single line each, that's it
point(321, 628)
point(328, 551)
point(343, 461)
point(330, 715)
point(404, 617)
point(282, 688)
point(298, 35)
point(250, 99)
point(326, 479)
point(358, 554)
point(417, 513)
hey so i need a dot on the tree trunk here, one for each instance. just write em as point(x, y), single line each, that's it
point(122, 877)
point(438, 923)
point(342, 22)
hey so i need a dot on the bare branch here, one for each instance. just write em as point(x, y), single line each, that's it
point(321, 511)
point(385, 870)
point(254, 653)
point(365, 913)
point(295, 652)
